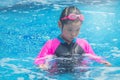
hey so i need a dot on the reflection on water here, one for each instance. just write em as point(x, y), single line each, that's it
point(11, 68)
point(24, 29)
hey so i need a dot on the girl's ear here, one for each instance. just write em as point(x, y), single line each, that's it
point(59, 24)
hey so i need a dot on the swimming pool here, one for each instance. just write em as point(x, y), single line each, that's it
point(25, 26)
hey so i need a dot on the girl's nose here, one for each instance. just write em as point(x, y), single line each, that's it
point(73, 34)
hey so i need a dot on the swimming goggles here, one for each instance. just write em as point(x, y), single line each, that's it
point(73, 17)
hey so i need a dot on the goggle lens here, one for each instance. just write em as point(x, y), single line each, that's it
point(73, 17)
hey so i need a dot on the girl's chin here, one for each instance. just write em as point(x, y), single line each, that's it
point(70, 40)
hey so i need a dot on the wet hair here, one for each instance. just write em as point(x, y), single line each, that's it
point(66, 12)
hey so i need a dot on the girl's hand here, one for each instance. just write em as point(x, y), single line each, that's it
point(43, 66)
point(106, 63)
point(46, 65)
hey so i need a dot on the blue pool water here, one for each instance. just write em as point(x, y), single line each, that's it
point(26, 25)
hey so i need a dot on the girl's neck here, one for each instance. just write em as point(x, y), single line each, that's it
point(67, 41)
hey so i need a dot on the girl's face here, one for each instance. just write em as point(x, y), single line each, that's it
point(70, 31)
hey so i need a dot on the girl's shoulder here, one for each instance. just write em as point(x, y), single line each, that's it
point(54, 40)
point(81, 40)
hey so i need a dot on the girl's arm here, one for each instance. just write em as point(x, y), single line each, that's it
point(90, 53)
point(43, 55)
point(98, 59)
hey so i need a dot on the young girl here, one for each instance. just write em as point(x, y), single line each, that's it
point(67, 50)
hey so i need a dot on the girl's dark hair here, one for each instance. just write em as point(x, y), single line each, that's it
point(67, 11)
